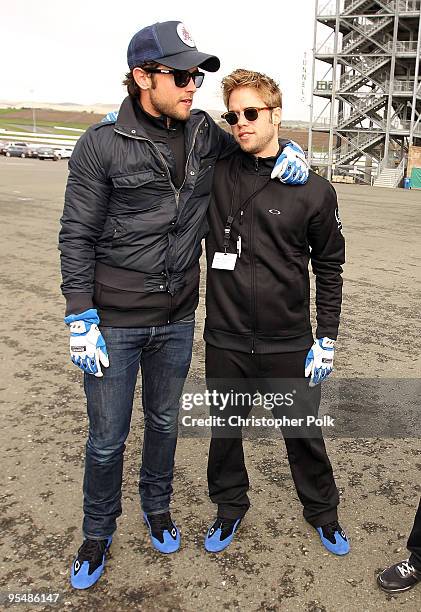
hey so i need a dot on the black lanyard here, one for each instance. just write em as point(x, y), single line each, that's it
point(242, 207)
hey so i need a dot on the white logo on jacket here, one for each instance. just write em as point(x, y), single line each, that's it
point(338, 220)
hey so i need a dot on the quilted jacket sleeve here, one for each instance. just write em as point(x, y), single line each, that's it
point(85, 210)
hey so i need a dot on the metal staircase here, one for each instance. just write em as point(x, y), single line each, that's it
point(362, 35)
point(362, 110)
point(389, 177)
point(365, 69)
point(356, 146)
point(374, 84)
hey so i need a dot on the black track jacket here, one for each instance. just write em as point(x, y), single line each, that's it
point(262, 306)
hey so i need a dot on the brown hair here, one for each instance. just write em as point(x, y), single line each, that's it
point(267, 87)
point(133, 88)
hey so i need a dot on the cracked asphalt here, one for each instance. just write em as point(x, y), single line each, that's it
point(276, 562)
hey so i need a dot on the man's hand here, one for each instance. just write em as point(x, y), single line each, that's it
point(87, 346)
point(319, 360)
point(291, 167)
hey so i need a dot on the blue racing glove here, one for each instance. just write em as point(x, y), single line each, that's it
point(87, 346)
point(291, 167)
point(319, 360)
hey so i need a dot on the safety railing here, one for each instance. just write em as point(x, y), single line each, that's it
point(404, 6)
point(409, 6)
point(401, 86)
point(403, 46)
point(350, 7)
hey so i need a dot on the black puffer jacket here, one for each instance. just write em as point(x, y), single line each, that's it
point(262, 306)
point(123, 213)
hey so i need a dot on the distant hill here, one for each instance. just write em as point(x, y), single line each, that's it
point(97, 107)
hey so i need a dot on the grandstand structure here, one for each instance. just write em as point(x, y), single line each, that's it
point(366, 87)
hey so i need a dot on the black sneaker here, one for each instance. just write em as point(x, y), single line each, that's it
point(399, 577)
point(89, 563)
point(221, 534)
point(165, 536)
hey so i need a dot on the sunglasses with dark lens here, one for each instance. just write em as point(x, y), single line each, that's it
point(181, 77)
point(251, 113)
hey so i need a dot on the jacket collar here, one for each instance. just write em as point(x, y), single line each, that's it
point(259, 165)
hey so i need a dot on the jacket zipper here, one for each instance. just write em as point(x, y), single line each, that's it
point(190, 152)
point(177, 193)
point(253, 270)
point(164, 163)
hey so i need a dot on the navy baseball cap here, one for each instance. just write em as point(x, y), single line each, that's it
point(168, 43)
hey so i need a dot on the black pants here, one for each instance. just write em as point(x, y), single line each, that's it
point(310, 466)
point(414, 541)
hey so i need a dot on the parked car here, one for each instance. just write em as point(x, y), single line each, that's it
point(20, 149)
point(47, 153)
point(63, 153)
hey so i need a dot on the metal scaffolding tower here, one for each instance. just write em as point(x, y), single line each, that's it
point(369, 99)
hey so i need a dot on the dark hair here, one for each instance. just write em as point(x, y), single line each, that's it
point(133, 88)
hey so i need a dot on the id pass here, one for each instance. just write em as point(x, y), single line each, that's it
point(224, 261)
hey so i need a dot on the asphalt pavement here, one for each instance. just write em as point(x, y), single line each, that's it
point(276, 561)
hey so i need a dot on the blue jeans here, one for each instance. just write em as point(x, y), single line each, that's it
point(164, 355)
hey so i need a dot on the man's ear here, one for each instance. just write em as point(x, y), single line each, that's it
point(142, 78)
point(277, 116)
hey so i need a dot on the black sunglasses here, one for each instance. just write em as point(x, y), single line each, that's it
point(181, 77)
point(250, 113)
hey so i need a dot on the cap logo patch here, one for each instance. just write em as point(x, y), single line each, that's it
point(184, 35)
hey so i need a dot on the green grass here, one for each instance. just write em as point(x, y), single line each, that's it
point(9, 124)
point(5, 111)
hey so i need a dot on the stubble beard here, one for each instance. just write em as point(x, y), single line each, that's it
point(168, 109)
point(256, 147)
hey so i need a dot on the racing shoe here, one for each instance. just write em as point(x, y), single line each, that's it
point(334, 538)
point(165, 536)
point(89, 563)
point(221, 534)
point(399, 577)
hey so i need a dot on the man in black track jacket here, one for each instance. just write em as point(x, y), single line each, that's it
point(262, 236)
point(130, 242)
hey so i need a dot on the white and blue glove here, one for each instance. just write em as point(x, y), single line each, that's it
point(291, 167)
point(319, 360)
point(87, 345)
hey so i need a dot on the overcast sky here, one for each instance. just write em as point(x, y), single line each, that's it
point(75, 51)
